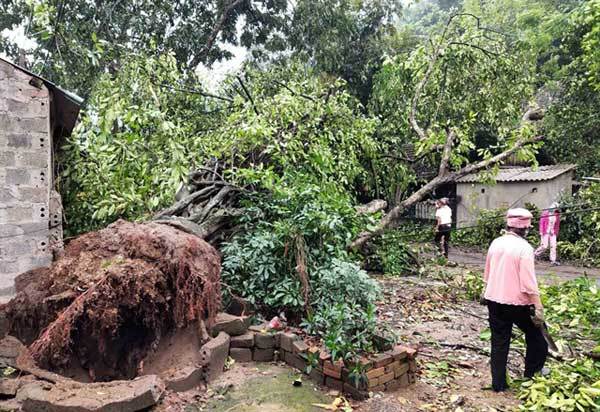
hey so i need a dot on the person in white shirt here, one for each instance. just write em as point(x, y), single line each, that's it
point(443, 216)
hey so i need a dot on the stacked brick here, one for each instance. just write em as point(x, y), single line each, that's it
point(390, 370)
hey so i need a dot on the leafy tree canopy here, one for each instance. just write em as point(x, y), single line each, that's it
point(344, 38)
point(77, 40)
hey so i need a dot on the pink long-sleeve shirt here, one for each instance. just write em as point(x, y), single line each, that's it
point(510, 271)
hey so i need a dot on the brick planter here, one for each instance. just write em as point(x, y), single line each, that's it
point(385, 371)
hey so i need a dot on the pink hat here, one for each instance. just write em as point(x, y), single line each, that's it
point(518, 218)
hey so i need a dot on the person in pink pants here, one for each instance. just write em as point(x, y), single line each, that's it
point(549, 227)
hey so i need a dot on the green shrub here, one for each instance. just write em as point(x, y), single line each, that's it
point(346, 328)
point(394, 255)
point(580, 225)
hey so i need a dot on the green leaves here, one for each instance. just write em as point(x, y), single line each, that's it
point(574, 386)
point(133, 147)
point(572, 306)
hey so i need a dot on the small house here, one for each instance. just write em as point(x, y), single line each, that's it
point(514, 187)
point(35, 115)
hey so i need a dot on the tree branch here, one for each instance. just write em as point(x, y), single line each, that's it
point(397, 211)
point(443, 169)
point(213, 35)
point(312, 99)
point(239, 79)
point(412, 116)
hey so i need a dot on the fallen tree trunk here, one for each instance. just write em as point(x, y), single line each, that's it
point(436, 182)
point(206, 207)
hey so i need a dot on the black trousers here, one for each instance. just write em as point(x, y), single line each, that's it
point(442, 238)
point(502, 317)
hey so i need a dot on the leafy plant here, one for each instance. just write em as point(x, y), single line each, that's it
point(133, 147)
point(394, 254)
point(472, 285)
point(574, 304)
point(346, 329)
point(575, 386)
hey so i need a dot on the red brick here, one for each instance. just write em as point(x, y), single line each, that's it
point(393, 385)
point(332, 373)
point(378, 388)
point(404, 382)
point(243, 341)
point(375, 373)
point(386, 378)
point(263, 355)
point(410, 352)
point(399, 352)
point(382, 360)
point(300, 346)
point(241, 354)
point(366, 362)
point(264, 340)
point(392, 366)
point(287, 340)
point(333, 383)
point(324, 356)
point(373, 382)
point(412, 365)
point(336, 366)
point(295, 361)
point(402, 370)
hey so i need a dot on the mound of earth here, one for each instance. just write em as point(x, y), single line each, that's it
point(105, 304)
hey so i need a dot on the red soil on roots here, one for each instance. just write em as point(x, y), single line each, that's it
point(109, 299)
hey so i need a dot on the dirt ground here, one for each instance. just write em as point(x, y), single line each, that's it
point(453, 359)
point(566, 271)
point(426, 313)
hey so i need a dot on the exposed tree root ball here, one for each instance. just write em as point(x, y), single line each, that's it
point(105, 304)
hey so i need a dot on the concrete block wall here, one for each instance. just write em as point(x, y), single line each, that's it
point(26, 211)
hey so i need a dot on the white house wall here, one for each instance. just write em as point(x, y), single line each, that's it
point(508, 194)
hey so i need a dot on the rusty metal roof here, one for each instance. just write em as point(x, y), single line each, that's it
point(65, 104)
point(523, 174)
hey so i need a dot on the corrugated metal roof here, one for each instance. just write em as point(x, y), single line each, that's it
point(523, 174)
point(67, 104)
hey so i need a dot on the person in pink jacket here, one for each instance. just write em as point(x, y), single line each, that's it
point(512, 294)
point(549, 227)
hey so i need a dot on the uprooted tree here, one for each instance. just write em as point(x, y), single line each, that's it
point(463, 98)
point(279, 158)
point(108, 301)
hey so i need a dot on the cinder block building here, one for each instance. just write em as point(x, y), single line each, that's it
point(35, 115)
point(514, 187)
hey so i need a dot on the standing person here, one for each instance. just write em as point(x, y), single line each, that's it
point(549, 227)
point(511, 291)
point(443, 217)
